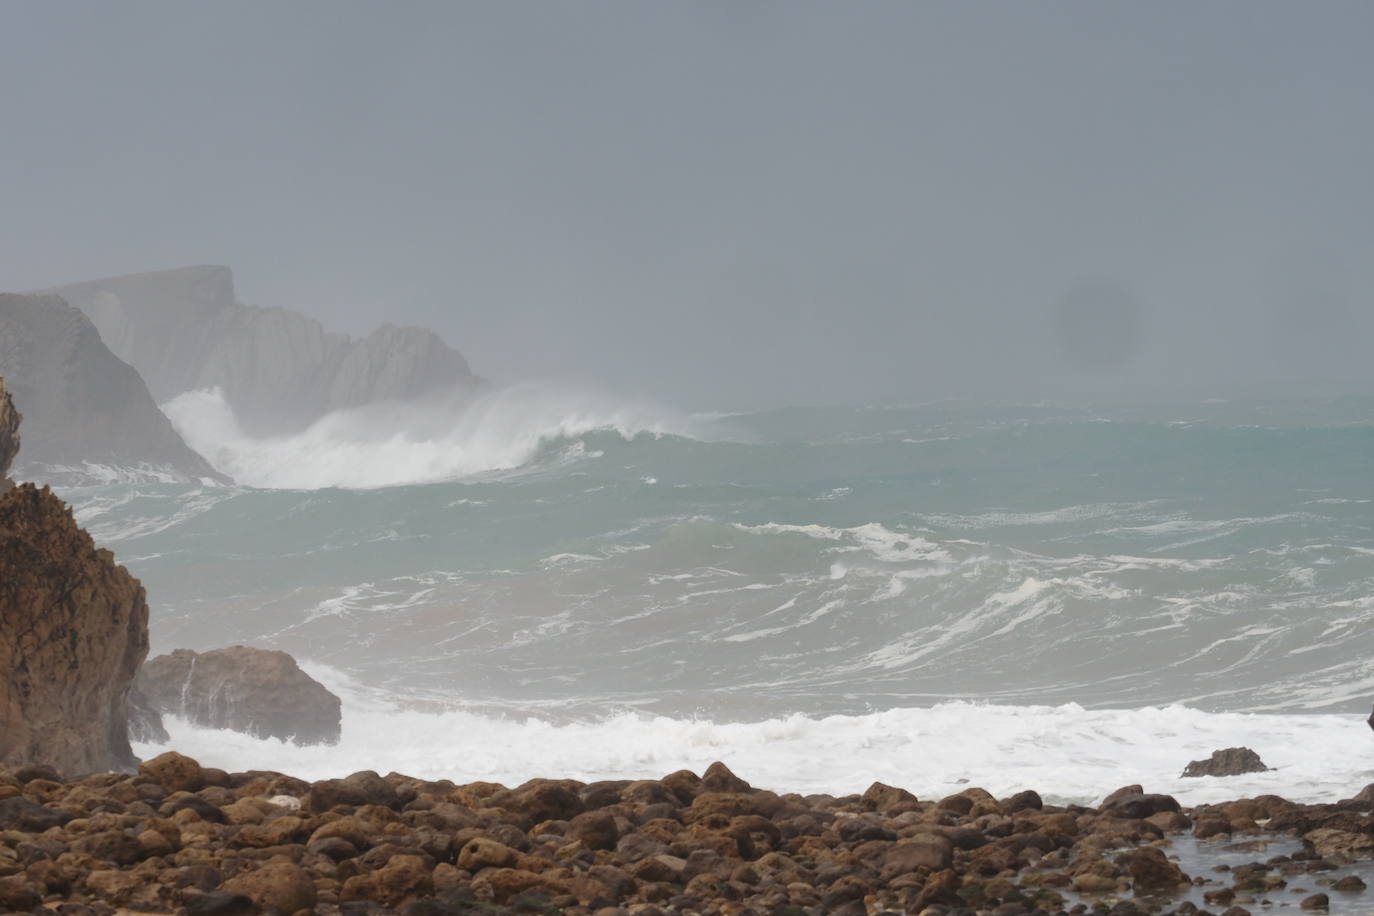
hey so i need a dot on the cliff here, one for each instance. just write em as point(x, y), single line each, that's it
point(279, 370)
point(73, 631)
point(88, 415)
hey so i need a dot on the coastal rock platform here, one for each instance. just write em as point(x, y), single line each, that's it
point(179, 837)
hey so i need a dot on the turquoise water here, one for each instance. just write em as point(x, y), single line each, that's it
point(808, 560)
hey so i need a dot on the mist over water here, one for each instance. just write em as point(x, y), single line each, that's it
point(587, 564)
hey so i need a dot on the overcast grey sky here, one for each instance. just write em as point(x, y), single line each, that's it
point(730, 203)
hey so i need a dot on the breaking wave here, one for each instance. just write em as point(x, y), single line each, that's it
point(1068, 753)
point(395, 444)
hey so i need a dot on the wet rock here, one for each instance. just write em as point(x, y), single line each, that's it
point(255, 691)
point(1315, 902)
point(1132, 802)
point(1151, 871)
point(1327, 841)
point(1232, 761)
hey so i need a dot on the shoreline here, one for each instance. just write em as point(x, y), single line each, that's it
point(180, 837)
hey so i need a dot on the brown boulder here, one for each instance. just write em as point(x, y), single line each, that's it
point(539, 800)
point(595, 830)
point(401, 877)
point(174, 772)
point(719, 778)
point(1151, 871)
point(280, 885)
point(882, 797)
point(1133, 802)
point(1232, 761)
point(361, 788)
point(73, 630)
point(481, 852)
point(1329, 841)
point(921, 851)
point(259, 692)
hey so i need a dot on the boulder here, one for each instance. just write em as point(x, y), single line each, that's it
point(1232, 761)
point(1133, 802)
point(285, 887)
point(73, 631)
point(1151, 871)
point(256, 691)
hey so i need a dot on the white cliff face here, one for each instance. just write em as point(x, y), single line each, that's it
point(87, 415)
point(279, 370)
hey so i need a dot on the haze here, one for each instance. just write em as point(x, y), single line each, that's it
point(732, 204)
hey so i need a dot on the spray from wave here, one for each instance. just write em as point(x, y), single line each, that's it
point(425, 441)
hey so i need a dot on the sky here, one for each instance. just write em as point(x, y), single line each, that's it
point(731, 203)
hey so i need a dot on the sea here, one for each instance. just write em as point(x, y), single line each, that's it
point(546, 582)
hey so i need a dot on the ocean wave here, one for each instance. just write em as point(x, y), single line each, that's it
point(1066, 752)
point(425, 441)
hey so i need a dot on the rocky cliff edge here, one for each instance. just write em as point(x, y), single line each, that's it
point(73, 631)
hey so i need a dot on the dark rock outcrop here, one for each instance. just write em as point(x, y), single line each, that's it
point(279, 370)
point(1232, 761)
point(73, 631)
point(88, 415)
point(257, 691)
point(9, 436)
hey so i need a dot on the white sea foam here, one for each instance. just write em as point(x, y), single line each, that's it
point(1067, 753)
point(414, 442)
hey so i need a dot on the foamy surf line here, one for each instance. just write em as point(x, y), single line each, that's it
point(1067, 753)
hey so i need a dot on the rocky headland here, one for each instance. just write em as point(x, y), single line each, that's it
point(279, 370)
point(73, 631)
point(180, 837)
point(88, 415)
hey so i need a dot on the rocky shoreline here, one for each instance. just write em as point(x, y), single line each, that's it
point(179, 837)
